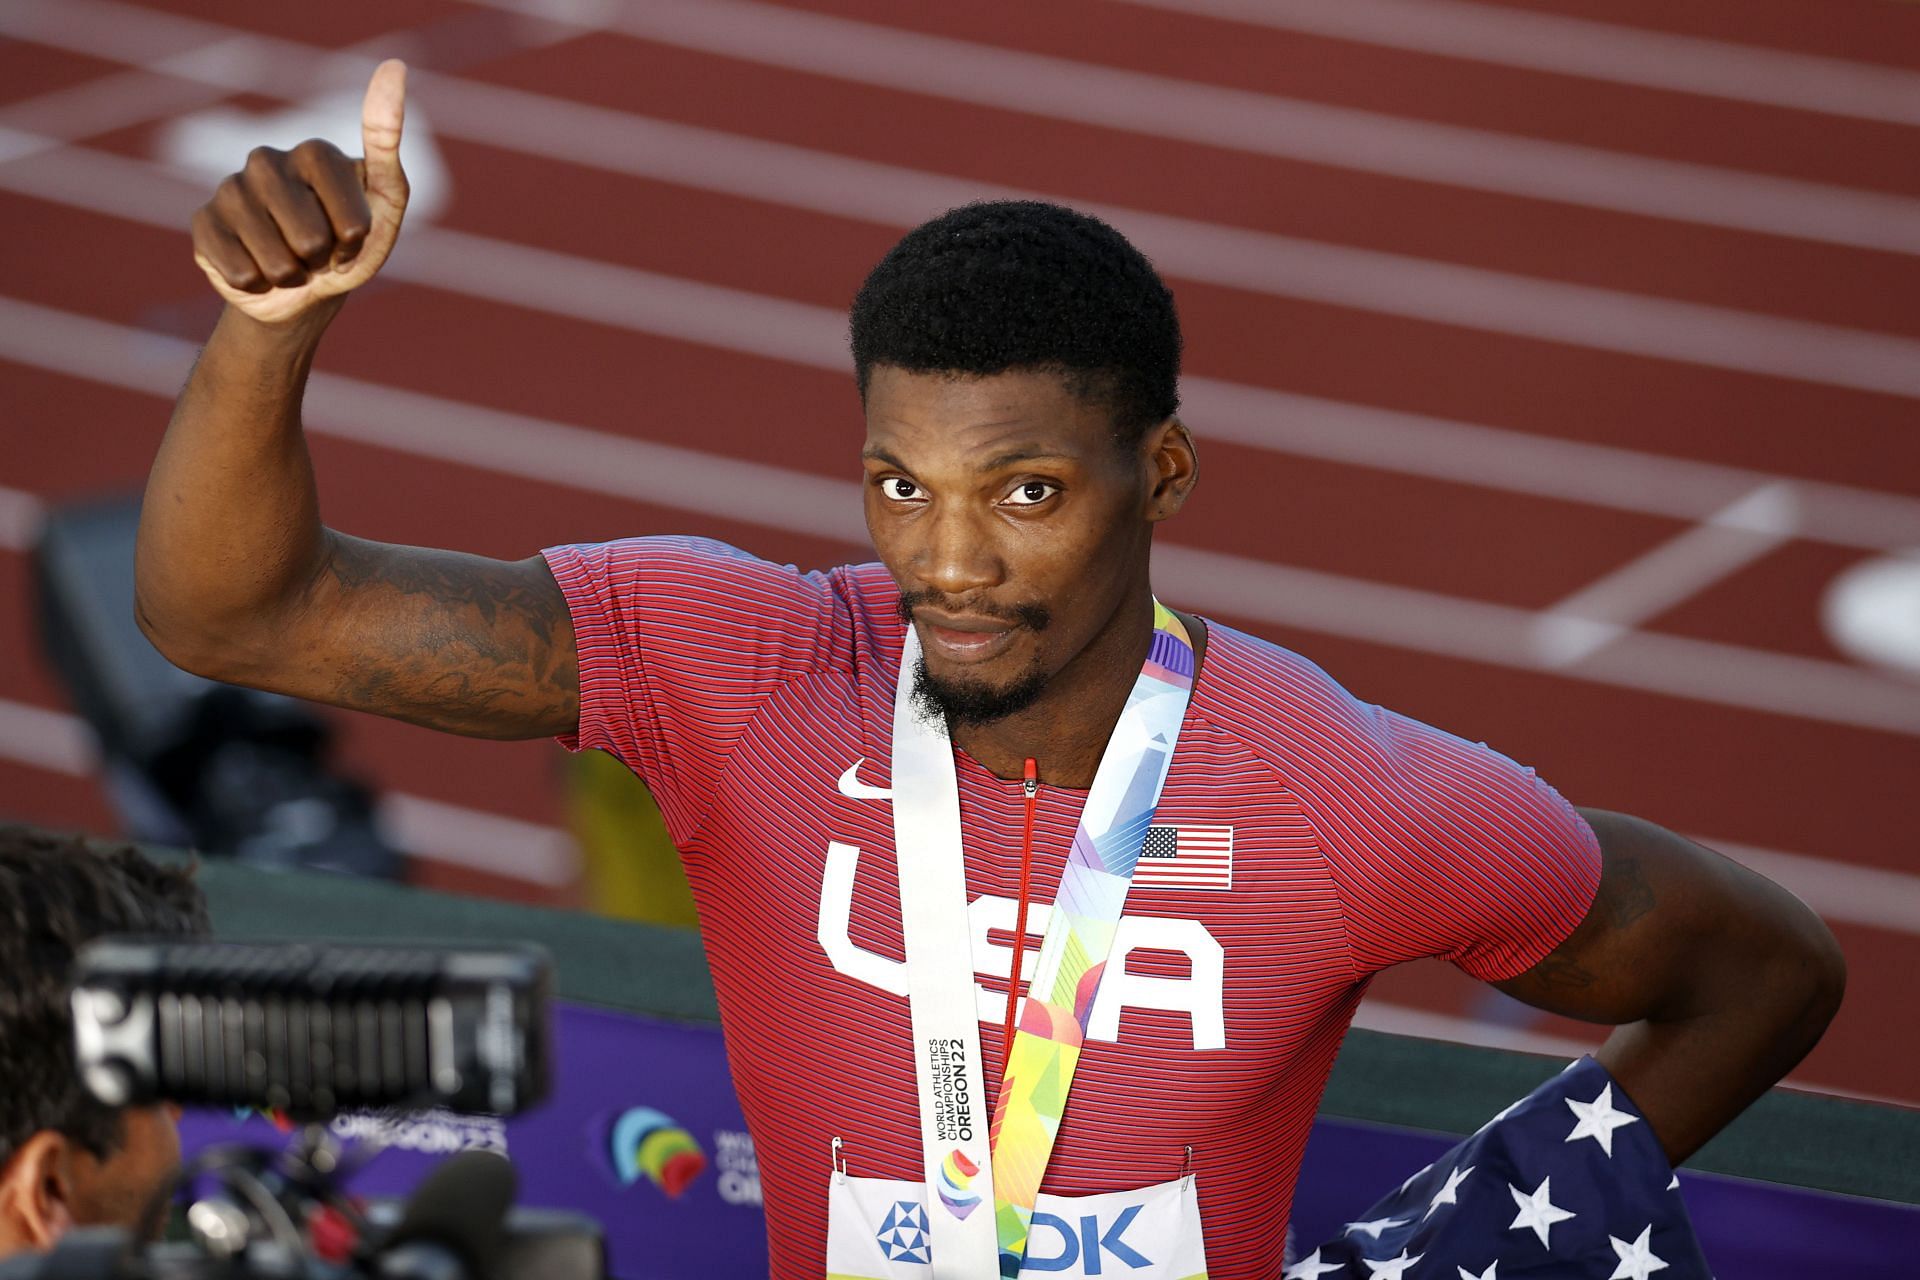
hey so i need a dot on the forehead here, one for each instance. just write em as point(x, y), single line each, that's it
point(978, 416)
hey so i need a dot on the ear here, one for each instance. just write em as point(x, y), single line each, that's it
point(36, 1192)
point(1172, 467)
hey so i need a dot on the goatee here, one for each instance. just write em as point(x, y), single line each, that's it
point(973, 702)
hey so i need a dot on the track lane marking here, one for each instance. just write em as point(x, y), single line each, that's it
point(1590, 49)
point(528, 852)
point(1376, 281)
point(794, 502)
point(1676, 570)
point(1289, 129)
point(801, 333)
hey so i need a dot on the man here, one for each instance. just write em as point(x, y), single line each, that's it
point(65, 1160)
point(1017, 364)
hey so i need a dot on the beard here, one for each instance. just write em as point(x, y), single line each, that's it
point(963, 701)
point(973, 702)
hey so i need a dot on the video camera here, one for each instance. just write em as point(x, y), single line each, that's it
point(307, 1031)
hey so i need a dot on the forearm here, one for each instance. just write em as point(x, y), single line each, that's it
point(1717, 979)
point(1693, 1069)
point(230, 531)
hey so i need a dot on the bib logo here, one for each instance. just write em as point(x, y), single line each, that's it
point(1198, 995)
point(903, 1234)
point(651, 1143)
point(1063, 1247)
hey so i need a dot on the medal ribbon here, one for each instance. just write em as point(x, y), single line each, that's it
point(1086, 914)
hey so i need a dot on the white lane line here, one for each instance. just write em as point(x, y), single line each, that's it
point(1843, 892)
point(1428, 622)
point(1595, 50)
point(489, 842)
point(1425, 1024)
point(50, 740)
point(107, 103)
point(1280, 266)
point(794, 502)
point(1678, 569)
point(481, 841)
point(735, 320)
point(20, 516)
point(1260, 124)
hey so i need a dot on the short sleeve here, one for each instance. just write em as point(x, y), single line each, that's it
point(1439, 846)
point(682, 641)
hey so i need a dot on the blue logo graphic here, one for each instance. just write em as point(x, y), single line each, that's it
point(1087, 1246)
point(903, 1236)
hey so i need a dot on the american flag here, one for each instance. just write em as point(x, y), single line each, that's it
point(1568, 1182)
point(1186, 858)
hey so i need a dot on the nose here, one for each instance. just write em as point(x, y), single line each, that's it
point(955, 555)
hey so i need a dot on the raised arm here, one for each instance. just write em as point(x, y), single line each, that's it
point(1720, 980)
point(236, 578)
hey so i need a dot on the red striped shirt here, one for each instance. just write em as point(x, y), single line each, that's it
point(742, 691)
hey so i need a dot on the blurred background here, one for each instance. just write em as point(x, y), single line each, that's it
point(1554, 367)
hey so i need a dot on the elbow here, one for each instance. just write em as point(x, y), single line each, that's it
point(1810, 977)
point(192, 649)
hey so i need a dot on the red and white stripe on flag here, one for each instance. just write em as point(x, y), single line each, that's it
point(1186, 858)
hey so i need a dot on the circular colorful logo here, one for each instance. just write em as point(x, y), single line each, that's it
point(650, 1143)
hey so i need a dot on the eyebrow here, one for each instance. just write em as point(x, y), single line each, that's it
point(997, 461)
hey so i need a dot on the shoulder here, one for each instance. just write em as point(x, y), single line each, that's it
point(1279, 703)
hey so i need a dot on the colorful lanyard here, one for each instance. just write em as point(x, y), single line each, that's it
point(964, 1163)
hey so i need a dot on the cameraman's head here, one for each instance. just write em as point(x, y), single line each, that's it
point(65, 1160)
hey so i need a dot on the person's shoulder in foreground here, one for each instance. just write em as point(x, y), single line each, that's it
point(1436, 846)
point(66, 1160)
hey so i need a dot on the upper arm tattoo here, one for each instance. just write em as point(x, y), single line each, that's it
point(453, 641)
point(1583, 976)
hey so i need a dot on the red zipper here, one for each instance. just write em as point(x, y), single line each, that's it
point(1030, 785)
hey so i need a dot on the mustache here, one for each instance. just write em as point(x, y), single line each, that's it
point(1035, 617)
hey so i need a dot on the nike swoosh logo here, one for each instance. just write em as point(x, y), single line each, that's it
point(853, 789)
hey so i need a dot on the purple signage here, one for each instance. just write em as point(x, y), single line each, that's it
point(643, 1133)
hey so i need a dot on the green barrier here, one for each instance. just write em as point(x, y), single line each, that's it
point(1806, 1140)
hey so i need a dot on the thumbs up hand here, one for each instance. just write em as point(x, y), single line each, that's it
point(295, 228)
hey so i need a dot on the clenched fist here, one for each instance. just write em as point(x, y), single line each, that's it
point(295, 228)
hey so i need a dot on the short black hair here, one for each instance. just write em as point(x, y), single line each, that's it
point(1021, 284)
point(58, 893)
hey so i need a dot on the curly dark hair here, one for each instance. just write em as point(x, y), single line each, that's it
point(58, 893)
point(1020, 284)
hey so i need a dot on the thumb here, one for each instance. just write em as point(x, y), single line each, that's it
point(381, 117)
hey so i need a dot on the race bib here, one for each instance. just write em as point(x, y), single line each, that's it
point(877, 1229)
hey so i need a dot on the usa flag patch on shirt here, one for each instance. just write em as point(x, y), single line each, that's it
point(1186, 858)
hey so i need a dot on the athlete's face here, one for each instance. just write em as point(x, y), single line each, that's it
point(1014, 525)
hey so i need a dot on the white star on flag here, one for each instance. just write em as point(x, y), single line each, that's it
point(1538, 1212)
point(1375, 1227)
point(1309, 1268)
point(1391, 1268)
point(1445, 1195)
point(1636, 1260)
point(1598, 1120)
point(1485, 1275)
point(1675, 1184)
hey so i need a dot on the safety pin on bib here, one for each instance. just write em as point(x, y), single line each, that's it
point(840, 1162)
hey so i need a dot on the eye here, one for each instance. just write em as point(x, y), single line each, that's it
point(899, 489)
point(1031, 493)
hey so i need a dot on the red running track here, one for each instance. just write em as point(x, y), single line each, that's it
point(1399, 370)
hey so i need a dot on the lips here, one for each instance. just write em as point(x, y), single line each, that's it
point(964, 639)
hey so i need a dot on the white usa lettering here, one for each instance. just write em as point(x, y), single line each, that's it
point(1199, 995)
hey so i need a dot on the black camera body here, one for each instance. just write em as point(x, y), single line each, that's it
point(308, 1030)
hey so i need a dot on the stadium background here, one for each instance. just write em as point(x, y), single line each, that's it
point(1553, 365)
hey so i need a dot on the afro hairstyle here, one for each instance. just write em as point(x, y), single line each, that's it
point(1006, 285)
